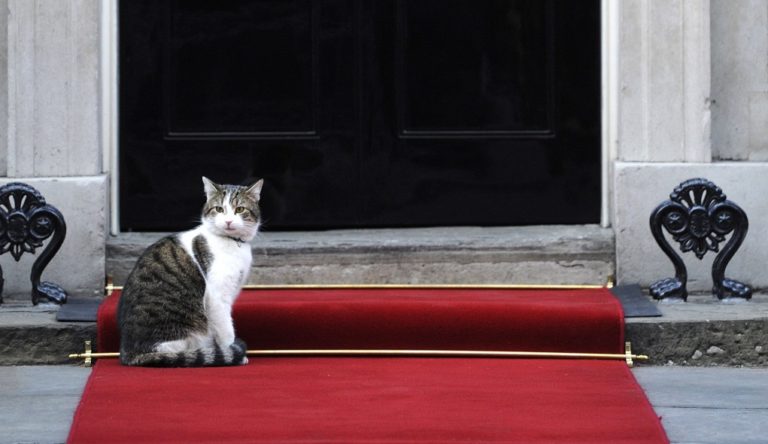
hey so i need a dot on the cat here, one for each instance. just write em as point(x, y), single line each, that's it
point(175, 309)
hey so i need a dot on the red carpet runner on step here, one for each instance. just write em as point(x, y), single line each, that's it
point(388, 400)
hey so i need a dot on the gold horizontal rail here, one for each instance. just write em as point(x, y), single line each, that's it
point(109, 287)
point(628, 356)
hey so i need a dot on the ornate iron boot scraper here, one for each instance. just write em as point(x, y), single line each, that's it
point(26, 220)
point(698, 216)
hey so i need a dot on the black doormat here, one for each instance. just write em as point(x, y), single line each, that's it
point(635, 303)
point(78, 310)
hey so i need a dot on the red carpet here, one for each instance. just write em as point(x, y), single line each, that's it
point(391, 400)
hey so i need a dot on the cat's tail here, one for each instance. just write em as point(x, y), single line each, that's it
point(201, 357)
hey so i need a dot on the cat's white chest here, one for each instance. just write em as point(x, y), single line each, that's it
point(229, 269)
point(228, 265)
point(231, 261)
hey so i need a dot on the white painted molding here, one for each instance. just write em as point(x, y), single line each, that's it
point(609, 71)
point(109, 107)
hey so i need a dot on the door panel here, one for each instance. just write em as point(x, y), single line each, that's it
point(213, 92)
point(237, 91)
point(510, 134)
point(476, 68)
point(362, 113)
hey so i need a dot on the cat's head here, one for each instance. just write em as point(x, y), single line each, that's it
point(232, 210)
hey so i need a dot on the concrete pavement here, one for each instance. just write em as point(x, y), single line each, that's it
point(709, 405)
point(37, 402)
point(706, 405)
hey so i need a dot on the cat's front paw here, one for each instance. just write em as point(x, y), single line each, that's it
point(239, 349)
point(238, 346)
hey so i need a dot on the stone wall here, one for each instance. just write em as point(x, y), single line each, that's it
point(3, 87)
point(50, 68)
point(740, 79)
point(693, 90)
point(53, 88)
point(79, 264)
point(664, 81)
point(640, 187)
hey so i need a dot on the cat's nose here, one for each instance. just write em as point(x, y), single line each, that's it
point(228, 222)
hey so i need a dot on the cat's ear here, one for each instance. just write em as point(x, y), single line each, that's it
point(210, 187)
point(255, 190)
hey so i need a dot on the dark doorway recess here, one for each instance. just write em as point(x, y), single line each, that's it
point(362, 113)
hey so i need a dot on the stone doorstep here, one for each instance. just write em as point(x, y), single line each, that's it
point(31, 335)
point(578, 254)
point(702, 332)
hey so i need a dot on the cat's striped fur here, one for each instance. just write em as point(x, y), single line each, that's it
point(175, 308)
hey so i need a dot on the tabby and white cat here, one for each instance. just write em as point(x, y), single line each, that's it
point(176, 306)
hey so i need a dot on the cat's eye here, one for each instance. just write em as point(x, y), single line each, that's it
point(218, 209)
point(239, 210)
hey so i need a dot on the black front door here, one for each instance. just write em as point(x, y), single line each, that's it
point(362, 113)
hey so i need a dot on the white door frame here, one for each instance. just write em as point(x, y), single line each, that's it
point(109, 109)
point(609, 43)
point(610, 18)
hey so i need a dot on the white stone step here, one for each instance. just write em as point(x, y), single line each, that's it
point(579, 254)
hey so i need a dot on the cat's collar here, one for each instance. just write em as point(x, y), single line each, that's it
point(237, 240)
